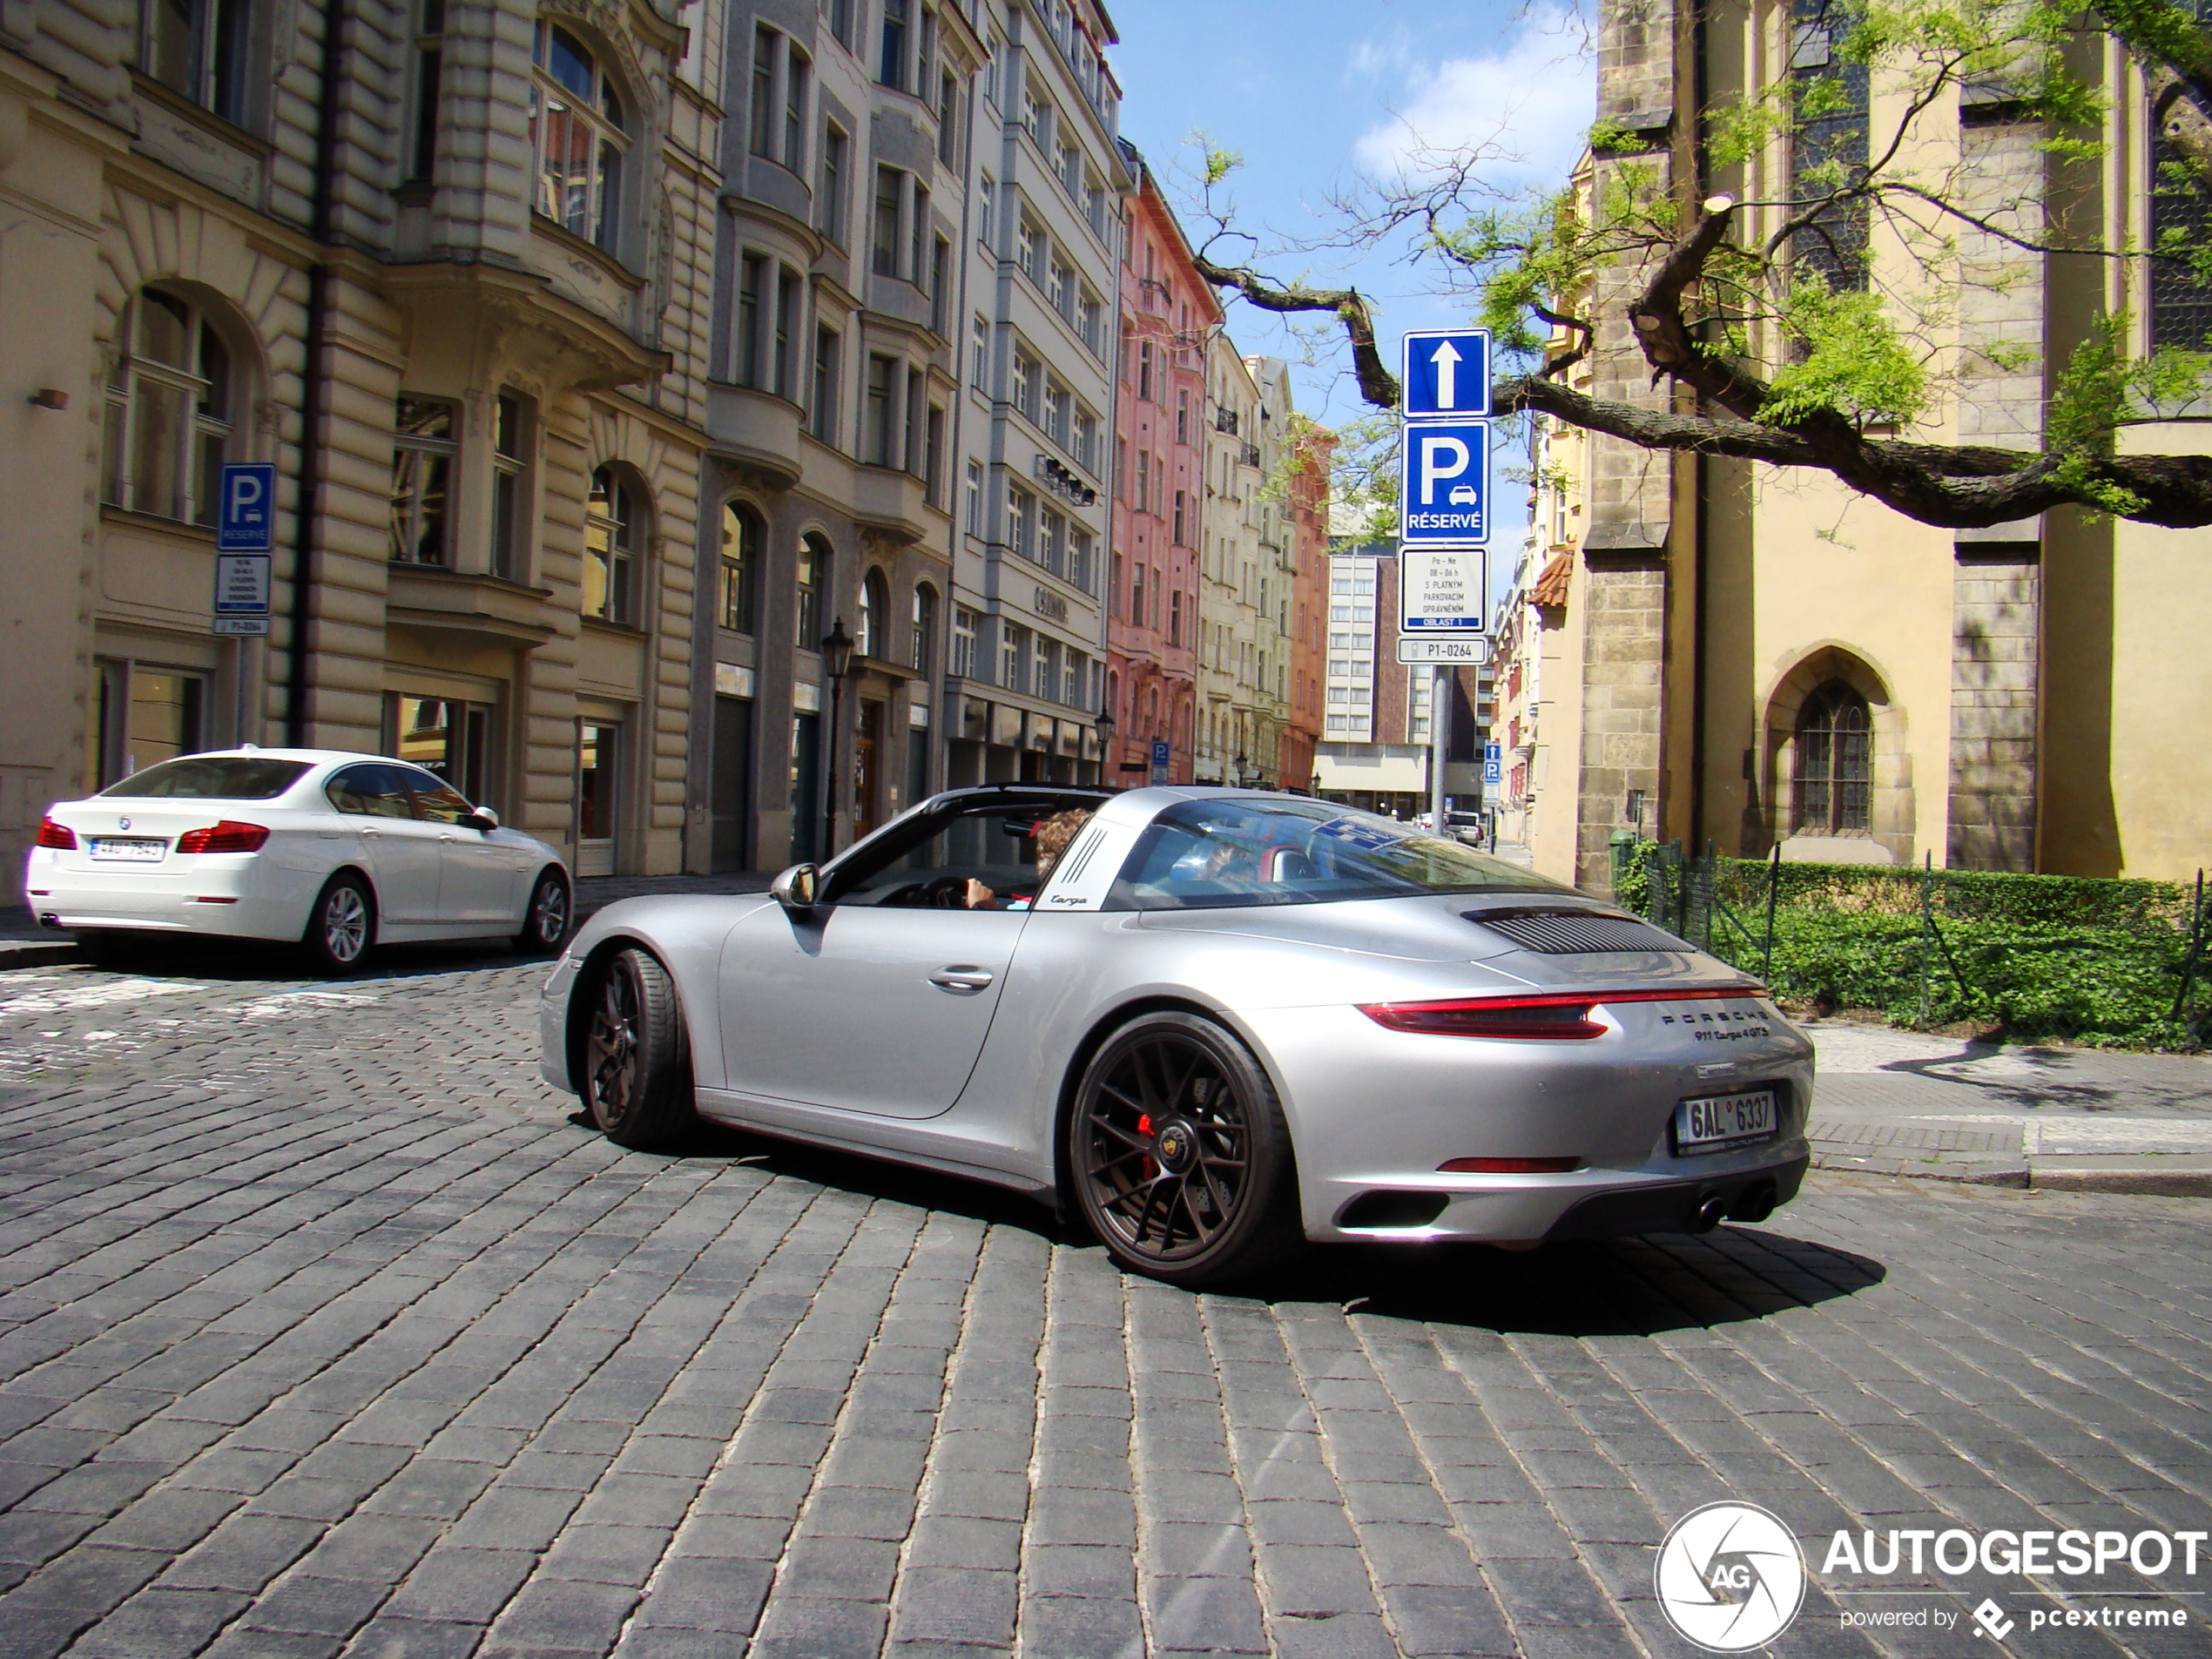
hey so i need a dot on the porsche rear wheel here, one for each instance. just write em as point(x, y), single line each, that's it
point(636, 1075)
point(1179, 1155)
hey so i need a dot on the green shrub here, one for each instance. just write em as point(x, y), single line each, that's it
point(2081, 959)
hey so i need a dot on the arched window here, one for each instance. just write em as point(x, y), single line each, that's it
point(576, 134)
point(611, 535)
point(875, 616)
point(814, 561)
point(172, 401)
point(743, 536)
point(925, 633)
point(1835, 763)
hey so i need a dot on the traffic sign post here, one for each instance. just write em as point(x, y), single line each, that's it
point(1448, 372)
point(1494, 765)
point(1441, 589)
point(1161, 754)
point(1444, 484)
point(245, 508)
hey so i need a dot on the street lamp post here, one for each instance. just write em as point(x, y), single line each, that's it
point(1239, 764)
point(836, 659)
point(1106, 750)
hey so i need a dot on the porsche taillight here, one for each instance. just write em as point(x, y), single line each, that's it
point(59, 836)
point(229, 836)
point(1551, 1015)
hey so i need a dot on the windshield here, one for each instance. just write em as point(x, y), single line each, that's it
point(212, 778)
point(1213, 854)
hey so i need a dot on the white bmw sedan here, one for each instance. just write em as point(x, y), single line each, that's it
point(333, 851)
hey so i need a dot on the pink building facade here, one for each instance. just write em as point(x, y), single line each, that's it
point(1167, 311)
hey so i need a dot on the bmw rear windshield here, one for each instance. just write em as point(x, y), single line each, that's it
point(1221, 855)
point(212, 778)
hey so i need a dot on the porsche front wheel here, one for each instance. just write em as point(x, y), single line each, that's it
point(636, 1076)
point(1179, 1155)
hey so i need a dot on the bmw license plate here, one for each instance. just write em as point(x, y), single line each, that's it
point(1715, 1121)
point(128, 849)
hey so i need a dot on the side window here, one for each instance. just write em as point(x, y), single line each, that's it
point(369, 792)
point(436, 800)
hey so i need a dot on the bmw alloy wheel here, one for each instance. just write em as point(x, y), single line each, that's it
point(345, 924)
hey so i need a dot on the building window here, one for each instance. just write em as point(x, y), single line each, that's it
point(743, 536)
point(1014, 651)
point(1025, 385)
point(783, 369)
point(966, 625)
point(824, 412)
point(979, 352)
point(975, 498)
point(829, 208)
point(509, 500)
point(596, 746)
point(2180, 217)
point(886, 244)
point(925, 628)
point(840, 21)
point(425, 444)
point(1183, 417)
point(1144, 370)
point(752, 300)
point(1182, 498)
point(941, 286)
point(932, 471)
point(1175, 617)
point(197, 48)
point(576, 134)
point(1020, 526)
point(1137, 594)
point(948, 118)
point(1835, 763)
point(1091, 322)
point(1834, 246)
point(1055, 412)
point(796, 69)
point(170, 399)
point(430, 63)
point(879, 424)
point(1084, 445)
point(764, 89)
point(875, 608)
point(986, 202)
point(893, 71)
point(609, 549)
point(1081, 549)
point(1052, 535)
point(813, 576)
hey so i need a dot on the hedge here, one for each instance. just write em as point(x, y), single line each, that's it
point(2083, 959)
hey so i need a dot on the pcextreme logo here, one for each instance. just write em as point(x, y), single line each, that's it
point(1730, 1577)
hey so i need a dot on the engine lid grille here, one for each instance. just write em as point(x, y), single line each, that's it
point(1567, 933)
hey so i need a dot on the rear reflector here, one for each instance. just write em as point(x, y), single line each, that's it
point(229, 836)
point(1508, 1166)
point(204, 900)
point(1554, 1015)
point(56, 835)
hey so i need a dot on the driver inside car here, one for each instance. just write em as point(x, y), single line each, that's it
point(1052, 838)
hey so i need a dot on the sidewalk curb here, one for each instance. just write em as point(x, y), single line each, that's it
point(37, 953)
point(2171, 1177)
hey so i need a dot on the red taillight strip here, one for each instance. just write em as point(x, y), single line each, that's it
point(59, 836)
point(228, 836)
point(1508, 1166)
point(1525, 1016)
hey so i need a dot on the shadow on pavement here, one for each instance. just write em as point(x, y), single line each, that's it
point(1622, 1287)
point(255, 961)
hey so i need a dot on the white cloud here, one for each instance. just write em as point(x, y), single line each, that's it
point(1532, 105)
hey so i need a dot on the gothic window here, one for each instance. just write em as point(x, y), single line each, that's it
point(1835, 763)
point(1828, 150)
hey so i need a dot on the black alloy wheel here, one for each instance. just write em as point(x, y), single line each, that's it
point(341, 927)
point(1179, 1155)
point(545, 923)
point(635, 1077)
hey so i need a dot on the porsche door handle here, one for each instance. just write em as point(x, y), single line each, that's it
point(959, 978)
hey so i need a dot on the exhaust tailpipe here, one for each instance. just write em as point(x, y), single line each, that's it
point(1754, 1204)
point(1710, 1212)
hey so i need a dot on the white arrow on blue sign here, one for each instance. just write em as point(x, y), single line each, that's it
point(1444, 485)
point(1448, 372)
point(245, 510)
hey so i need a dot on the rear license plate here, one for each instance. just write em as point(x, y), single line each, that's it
point(128, 849)
point(1715, 1121)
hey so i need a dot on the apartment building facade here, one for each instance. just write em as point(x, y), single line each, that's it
point(447, 272)
point(1169, 314)
point(1040, 260)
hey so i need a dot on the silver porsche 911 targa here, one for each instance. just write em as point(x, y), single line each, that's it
point(1213, 1023)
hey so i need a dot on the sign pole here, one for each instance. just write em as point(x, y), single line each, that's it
point(1440, 741)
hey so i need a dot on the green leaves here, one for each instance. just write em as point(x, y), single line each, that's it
point(1854, 363)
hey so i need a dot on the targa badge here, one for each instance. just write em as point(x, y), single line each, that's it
point(1730, 1577)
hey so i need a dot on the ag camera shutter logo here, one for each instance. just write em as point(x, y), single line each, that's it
point(1730, 1577)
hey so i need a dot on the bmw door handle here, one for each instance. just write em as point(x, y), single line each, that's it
point(960, 977)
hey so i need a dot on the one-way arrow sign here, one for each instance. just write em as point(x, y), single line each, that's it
point(1448, 372)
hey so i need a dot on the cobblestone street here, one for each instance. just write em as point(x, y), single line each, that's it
point(325, 1328)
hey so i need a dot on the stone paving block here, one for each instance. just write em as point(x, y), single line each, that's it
point(707, 1594)
point(1079, 1627)
point(957, 1605)
point(395, 1637)
point(458, 1585)
point(551, 1615)
point(1205, 1615)
point(159, 1623)
point(243, 1554)
point(801, 1628)
point(307, 1605)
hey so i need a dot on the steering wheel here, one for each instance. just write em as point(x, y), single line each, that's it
point(946, 892)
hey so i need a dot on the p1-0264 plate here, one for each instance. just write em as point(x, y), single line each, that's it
point(1714, 1122)
point(128, 849)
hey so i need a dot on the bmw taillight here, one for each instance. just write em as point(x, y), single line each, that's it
point(59, 836)
point(1553, 1013)
point(229, 836)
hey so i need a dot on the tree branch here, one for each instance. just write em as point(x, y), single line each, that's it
point(1665, 337)
point(1954, 487)
point(1377, 384)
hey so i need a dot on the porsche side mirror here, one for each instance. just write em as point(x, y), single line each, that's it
point(794, 889)
point(482, 819)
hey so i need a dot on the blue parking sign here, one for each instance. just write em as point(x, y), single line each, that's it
point(246, 509)
point(1444, 484)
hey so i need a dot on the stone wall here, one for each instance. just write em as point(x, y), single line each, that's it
point(1624, 599)
point(1997, 592)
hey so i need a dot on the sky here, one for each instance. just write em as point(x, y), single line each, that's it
point(1314, 93)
